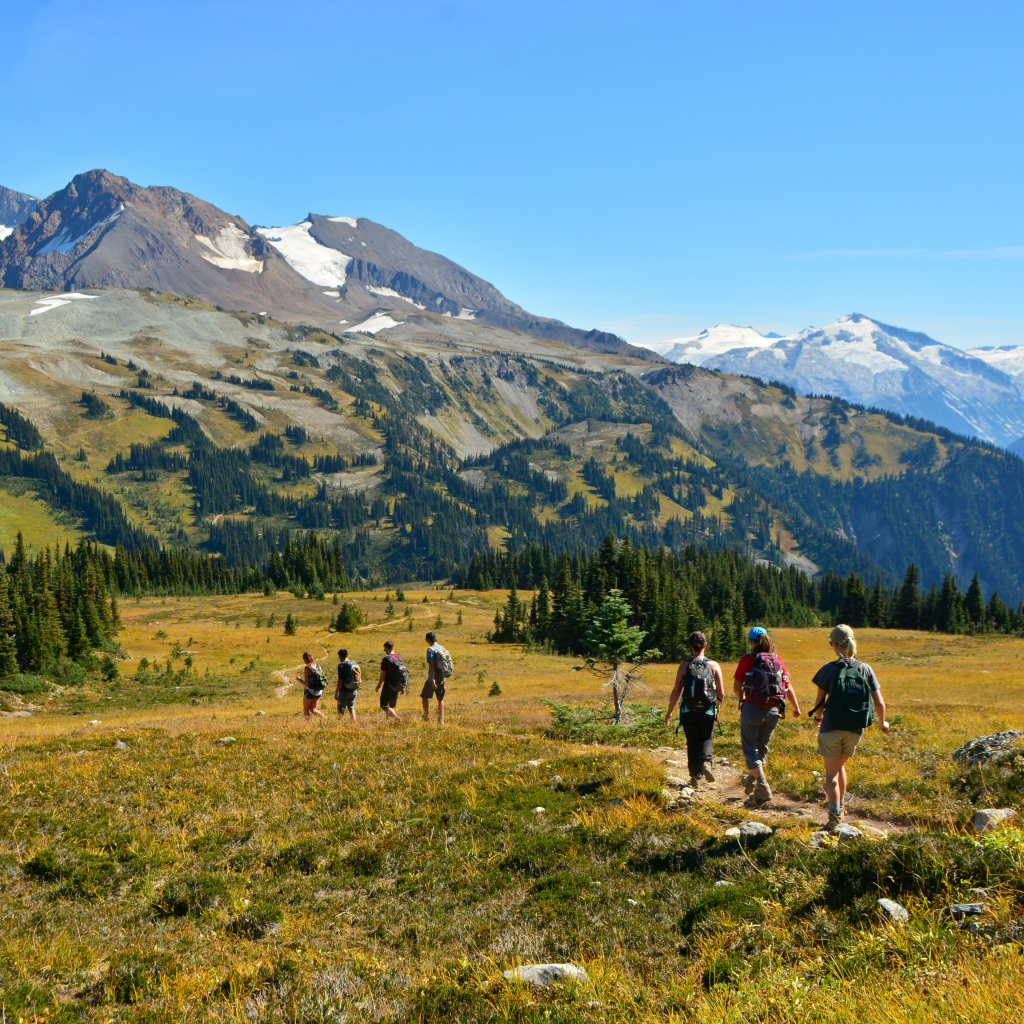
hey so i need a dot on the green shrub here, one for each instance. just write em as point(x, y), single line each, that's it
point(642, 725)
point(135, 976)
point(24, 683)
point(78, 875)
point(916, 863)
point(349, 618)
point(259, 920)
point(998, 782)
point(742, 902)
point(192, 895)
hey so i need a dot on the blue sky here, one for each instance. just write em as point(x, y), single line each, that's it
point(650, 169)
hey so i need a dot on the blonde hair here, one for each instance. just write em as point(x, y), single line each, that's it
point(848, 648)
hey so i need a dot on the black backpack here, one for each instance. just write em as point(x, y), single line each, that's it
point(397, 677)
point(699, 691)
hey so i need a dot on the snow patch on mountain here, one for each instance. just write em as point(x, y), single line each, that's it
point(5, 231)
point(1008, 358)
point(63, 240)
point(305, 255)
point(350, 221)
point(229, 250)
point(64, 299)
point(390, 293)
point(710, 342)
point(377, 322)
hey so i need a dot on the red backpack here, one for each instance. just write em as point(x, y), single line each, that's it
point(765, 683)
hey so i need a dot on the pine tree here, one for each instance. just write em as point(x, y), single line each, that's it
point(855, 602)
point(908, 604)
point(974, 604)
point(290, 625)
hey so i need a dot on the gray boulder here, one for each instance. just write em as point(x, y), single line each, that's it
point(991, 818)
point(545, 975)
point(845, 831)
point(983, 748)
point(750, 829)
point(959, 910)
point(895, 912)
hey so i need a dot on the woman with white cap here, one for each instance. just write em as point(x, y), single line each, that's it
point(847, 689)
point(762, 684)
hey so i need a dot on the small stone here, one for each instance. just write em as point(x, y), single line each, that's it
point(822, 840)
point(120, 744)
point(616, 803)
point(872, 832)
point(845, 831)
point(538, 810)
point(749, 829)
point(723, 883)
point(676, 782)
point(817, 775)
point(959, 910)
point(687, 791)
point(545, 975)
point(733, 833)
point(258, 713)
point(896, 913)
point(991, 818)
point(555, 778)
point(722, 760)
point(984, 748)
point(225, 741)
point(95, 721)
point(632, 903)
point(663, 750)
point(535, 764)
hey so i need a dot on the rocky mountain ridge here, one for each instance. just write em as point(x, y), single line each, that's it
point(976, 392)
point(103, 231)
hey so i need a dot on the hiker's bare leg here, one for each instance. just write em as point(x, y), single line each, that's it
point(426, 707)
point(392, 714)
point(835, 779)
point(440, 711)
point(352, 714)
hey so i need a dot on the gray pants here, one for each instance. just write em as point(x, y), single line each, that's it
point(756, 728)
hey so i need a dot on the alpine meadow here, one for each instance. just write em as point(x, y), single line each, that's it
point(373, 649)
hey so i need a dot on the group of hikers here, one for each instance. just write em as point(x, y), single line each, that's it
point(392, 682)
point(848, 698)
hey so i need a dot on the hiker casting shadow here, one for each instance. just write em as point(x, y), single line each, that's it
point(313, 682)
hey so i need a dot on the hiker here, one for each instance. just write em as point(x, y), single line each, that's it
point(313, 681)
point(350, 675)
point(393, 681)
point(439, 668)
point(761, 682)
point(699, 688)
point(847, 688)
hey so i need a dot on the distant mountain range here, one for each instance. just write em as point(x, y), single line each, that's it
point(103, 231)
point(978, 392)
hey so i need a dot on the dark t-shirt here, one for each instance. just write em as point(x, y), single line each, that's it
point(390, 669)
point(345, 673)
point(826, 676)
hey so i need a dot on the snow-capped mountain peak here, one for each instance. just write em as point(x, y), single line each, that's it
point(974, 392)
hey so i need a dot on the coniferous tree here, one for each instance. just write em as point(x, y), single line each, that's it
point(908, 604)
point(974, 603)
point(855, 602)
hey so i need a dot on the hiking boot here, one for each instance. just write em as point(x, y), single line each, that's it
point(834, 820)
point(748, 785)
point(762, 791)
point(707, 774)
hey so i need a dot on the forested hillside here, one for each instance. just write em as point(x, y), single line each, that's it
point(319, 461)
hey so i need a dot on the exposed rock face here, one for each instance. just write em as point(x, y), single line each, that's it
point(102, 230)
point(984, 748)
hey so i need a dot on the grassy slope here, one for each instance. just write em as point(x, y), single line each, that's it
point(408, 867)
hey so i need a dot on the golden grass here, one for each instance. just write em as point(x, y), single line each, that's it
point(404, 910)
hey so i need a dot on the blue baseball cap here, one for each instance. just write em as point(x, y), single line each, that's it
point(756, 632)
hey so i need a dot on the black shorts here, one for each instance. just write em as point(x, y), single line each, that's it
point(388, 696)
point(428, 690)
point(312, 694)
point(346, 699)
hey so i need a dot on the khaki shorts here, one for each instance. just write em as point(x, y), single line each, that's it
point(838, 743)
